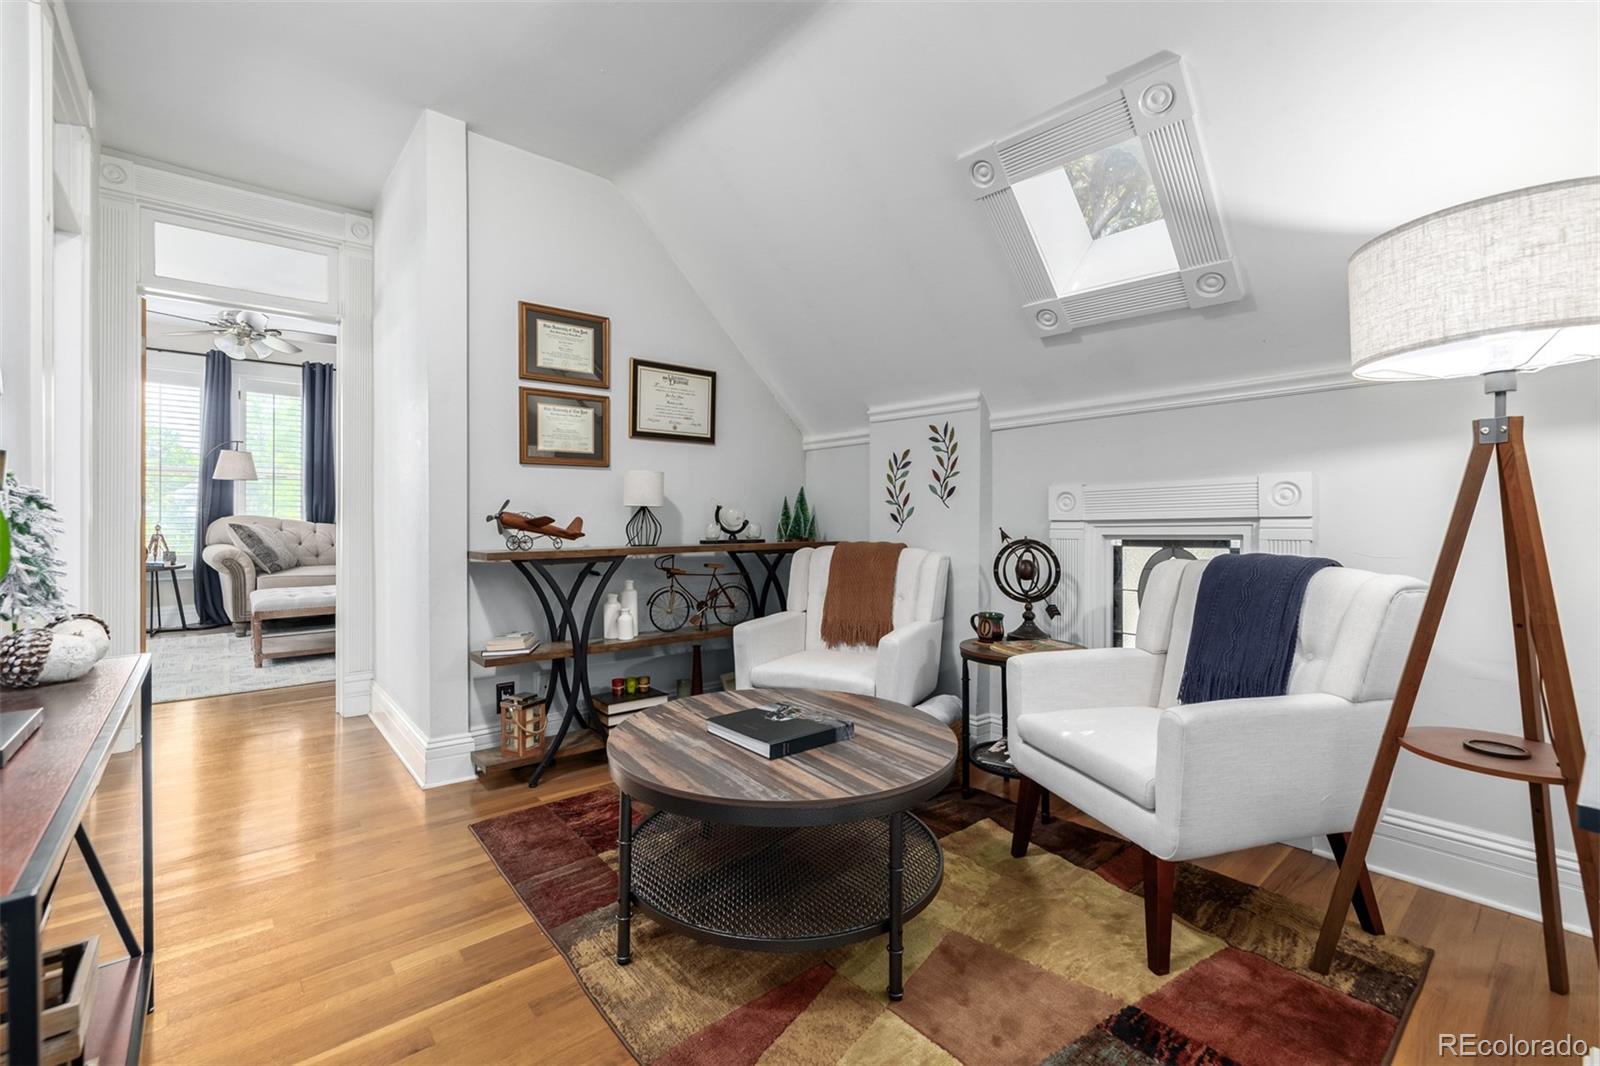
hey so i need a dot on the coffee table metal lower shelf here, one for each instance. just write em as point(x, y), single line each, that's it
point(783, 890)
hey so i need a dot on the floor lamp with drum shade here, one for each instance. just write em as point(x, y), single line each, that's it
point(1494, 287)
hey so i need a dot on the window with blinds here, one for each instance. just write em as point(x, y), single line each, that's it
point(274, 436)
point(172, 460)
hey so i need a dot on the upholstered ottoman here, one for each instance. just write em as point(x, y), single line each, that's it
point(277, 604)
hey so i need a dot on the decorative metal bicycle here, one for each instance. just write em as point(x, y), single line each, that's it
point(674, 606)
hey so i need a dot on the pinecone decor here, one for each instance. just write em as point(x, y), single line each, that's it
point(66, 649)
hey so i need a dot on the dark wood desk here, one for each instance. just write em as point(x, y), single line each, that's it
point(567, 621)
point(44, 791)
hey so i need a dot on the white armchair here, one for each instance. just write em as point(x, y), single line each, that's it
point(1103, 730)
point(785, 650)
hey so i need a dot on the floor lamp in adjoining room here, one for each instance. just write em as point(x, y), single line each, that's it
point(1501, 285)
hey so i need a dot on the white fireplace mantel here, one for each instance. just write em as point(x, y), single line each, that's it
point(1267, 512)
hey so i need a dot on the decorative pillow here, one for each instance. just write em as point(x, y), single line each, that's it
point(271, 551)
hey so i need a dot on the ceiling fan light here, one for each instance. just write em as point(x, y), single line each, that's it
point(227, 342)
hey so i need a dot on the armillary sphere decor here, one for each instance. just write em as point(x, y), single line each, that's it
point(1026, 570)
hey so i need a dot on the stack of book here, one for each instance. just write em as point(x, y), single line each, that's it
point(613, 709)
point(509, 645)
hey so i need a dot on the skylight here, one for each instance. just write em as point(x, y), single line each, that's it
point(1113, 189)
point(1097, 220)
point(1104, 208)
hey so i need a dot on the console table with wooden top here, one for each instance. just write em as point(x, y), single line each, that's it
point(569, 612)
point(45, 790)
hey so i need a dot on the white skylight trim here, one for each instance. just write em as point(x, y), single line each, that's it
point(1148, 257)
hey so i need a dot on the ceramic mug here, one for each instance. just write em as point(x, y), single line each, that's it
point(989, 625)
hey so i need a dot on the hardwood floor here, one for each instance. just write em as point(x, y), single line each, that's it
point(314, 904)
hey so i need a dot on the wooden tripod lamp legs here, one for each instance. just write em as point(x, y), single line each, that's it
point(1544, 685)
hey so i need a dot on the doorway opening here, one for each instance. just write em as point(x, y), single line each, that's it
point(239, 552)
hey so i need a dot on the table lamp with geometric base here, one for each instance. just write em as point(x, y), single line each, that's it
point(1506, 284)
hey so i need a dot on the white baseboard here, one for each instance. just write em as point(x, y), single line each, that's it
point(431, 761)
point(355, 694)
point(1473, 864)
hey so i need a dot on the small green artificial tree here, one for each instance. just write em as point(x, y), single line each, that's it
point(31, 592)
point(785, 521)
point(803, 526)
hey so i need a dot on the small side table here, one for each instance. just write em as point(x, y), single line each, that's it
point(153, 620)
point(995, 653)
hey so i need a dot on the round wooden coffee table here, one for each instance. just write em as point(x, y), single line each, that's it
point(804, 853)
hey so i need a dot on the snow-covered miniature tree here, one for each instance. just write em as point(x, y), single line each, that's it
point(31, 593)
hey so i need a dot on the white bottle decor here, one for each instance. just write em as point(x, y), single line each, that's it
point(627, 628)
point(630, 600)
point(612, 608)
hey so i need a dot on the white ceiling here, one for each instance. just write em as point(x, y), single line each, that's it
point(800, 165)
point(817, 207)
point(316, 99)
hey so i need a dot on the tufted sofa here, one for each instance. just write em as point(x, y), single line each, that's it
point(314, 547)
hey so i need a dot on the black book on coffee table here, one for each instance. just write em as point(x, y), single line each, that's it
point(780, 730)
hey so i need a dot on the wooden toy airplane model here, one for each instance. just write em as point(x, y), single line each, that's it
point(521, 529)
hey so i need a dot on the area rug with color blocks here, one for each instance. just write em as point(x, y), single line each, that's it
point(1026, 961)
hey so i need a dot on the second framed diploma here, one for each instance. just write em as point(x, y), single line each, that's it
point(565, 347)
point(564, 428)
point(671, 402)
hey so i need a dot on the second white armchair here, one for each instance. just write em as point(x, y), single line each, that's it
point(786, 650)
point(1103, 729)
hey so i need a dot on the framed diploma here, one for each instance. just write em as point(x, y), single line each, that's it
point(564, 428)
point(672, 402)
point(564, 347)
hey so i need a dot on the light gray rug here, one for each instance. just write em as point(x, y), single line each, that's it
point(187, 666)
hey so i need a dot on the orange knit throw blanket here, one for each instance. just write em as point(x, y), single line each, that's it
point(859, 608)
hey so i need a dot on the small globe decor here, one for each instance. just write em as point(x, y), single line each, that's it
point(1026, 570)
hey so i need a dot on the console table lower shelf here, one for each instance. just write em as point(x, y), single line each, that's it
point(810, 888)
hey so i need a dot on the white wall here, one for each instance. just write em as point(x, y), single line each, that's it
point(419, 454)
point(834, 480)
point(49, 157)
point(547, 233)
point(1387, 460)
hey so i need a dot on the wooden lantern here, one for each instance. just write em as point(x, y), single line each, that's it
point(521, 725)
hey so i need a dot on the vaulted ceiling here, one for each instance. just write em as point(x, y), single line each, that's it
point(799, 164)
point(818, 209)
point(316, 98)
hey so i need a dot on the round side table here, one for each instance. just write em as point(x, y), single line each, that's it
point(994, 653)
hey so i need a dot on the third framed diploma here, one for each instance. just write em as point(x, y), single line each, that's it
point(671, 402)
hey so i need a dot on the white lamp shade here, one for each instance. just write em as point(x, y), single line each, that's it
point(1511, 282)
point(643, 488)
point(235, 466)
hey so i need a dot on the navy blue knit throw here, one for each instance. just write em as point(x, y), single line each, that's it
point(1246, 622)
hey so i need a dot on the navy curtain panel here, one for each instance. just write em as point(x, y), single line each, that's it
point(316, 406)
point(215, 498)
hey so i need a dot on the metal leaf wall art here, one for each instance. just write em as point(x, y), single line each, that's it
point(899, 496)
point(942, 479)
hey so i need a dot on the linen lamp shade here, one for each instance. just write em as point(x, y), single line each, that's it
point(1510, 282)
point(235, 466)
point(642, 488)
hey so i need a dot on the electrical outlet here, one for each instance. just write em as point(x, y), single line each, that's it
point(502, 689)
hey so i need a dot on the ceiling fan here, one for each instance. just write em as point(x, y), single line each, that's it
point(244, 333)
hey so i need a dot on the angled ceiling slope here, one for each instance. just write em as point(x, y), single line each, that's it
point(316, 99)
point(816, 206)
